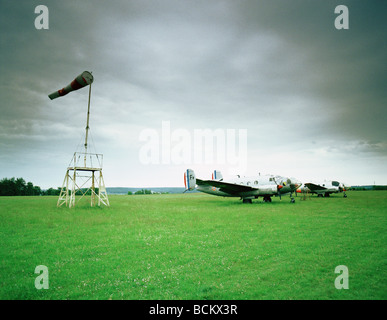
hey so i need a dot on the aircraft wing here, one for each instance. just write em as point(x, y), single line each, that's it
point(231, 188)
point(315, 187)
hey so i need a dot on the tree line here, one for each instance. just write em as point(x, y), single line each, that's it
point(368, 188)
point(142, 191)
point(146, 191)
point(19, 187)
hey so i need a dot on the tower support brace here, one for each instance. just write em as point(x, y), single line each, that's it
point(80, 182)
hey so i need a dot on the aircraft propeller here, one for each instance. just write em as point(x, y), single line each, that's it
point(279, 187)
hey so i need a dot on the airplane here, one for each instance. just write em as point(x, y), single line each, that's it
point(247, 188)
point(323, 188)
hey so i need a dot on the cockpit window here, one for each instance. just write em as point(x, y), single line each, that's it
point(335, 183)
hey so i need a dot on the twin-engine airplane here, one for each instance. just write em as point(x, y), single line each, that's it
point(324, 188)
point(247, 188)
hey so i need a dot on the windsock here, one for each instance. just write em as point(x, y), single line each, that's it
point(84, 79)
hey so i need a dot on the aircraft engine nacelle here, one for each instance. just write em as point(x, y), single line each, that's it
point(189, 179)
point(268, 189)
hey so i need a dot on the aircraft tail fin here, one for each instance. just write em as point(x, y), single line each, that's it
point(217, 175)
point(189, 180)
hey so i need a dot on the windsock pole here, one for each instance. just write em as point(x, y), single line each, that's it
point(87, 123)
point(70, 188)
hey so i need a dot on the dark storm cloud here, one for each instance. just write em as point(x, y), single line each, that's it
point(346, 68)
point(257, 54)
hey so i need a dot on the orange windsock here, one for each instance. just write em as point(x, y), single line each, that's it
point(84, 79)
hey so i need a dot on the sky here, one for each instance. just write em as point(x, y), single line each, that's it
point(276, 85)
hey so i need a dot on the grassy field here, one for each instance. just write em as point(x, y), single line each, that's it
point(195, 246)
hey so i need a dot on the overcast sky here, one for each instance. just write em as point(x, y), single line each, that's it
point(310, 98)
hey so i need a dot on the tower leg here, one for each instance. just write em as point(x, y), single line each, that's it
point(73, 191)
point(102, 194)
point(92, 189)
point(64, 192)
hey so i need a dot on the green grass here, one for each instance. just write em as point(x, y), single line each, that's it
point(195, 246)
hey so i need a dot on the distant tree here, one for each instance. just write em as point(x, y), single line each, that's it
point(50, 192)
point(11, 189)
point(4, 187)
point(30, 189)
point(21, 187)
point(130, 193)
point(37, 191)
